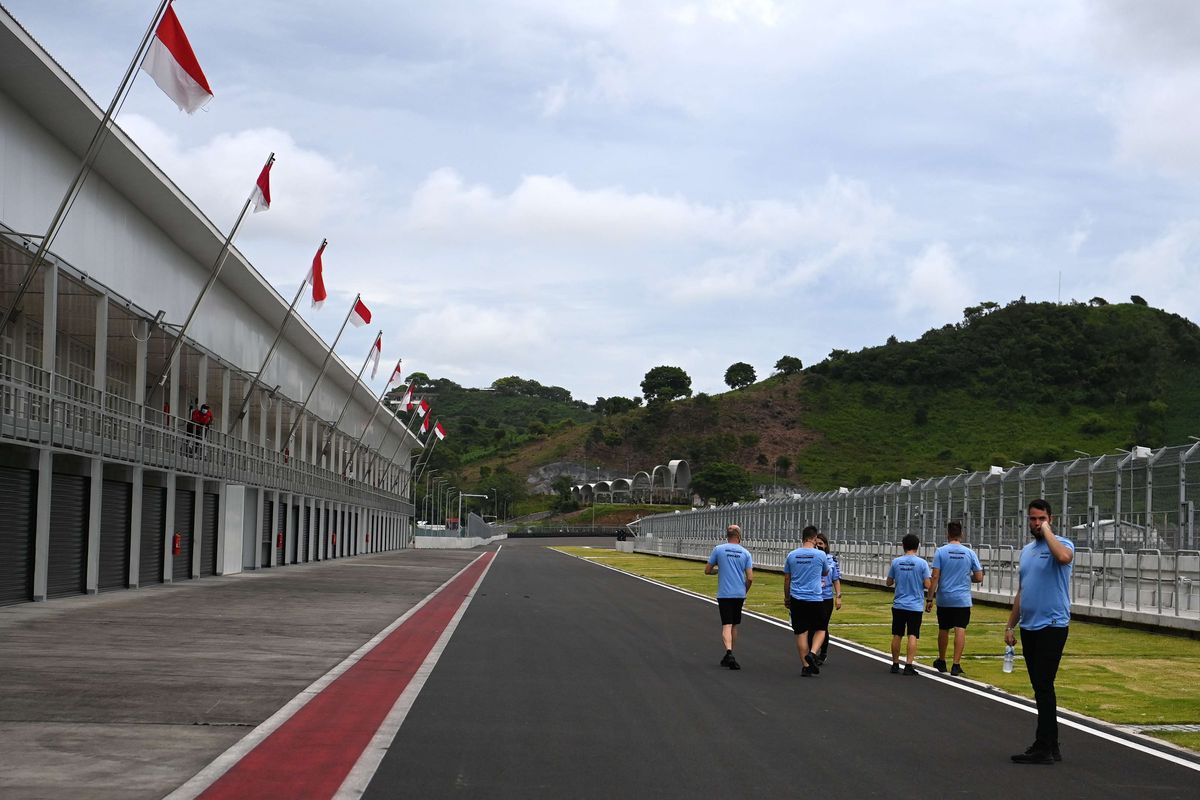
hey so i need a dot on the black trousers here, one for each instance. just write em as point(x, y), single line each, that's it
point(1043, 651)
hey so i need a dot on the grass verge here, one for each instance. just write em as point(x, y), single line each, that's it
point(1123, 676)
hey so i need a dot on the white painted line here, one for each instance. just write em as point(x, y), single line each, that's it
point(360, 775)
point(224, 762)
point(1092, 726)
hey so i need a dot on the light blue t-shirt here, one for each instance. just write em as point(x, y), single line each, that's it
point(909, 574)
point(732, 561)
point(835, 574)
point(1045, 587)
point(805, 566)
point(955, 563)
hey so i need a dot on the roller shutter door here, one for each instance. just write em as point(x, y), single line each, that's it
point(295, 553)
point(307, 534)
point(208, 539)
point(266, 533)
point(185, 519)
point(68, 535)
point(281, 533)
point(117, 499)
point(18, 510)
point(154, 518)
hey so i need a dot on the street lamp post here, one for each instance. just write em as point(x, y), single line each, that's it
point(435, 503)
point(446, 504)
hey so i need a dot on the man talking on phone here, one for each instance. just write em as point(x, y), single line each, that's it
point(1042, 606)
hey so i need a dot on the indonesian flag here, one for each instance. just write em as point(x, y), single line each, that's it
point(406, 401)
point(173, 66)
point(317, 278)
point(425, 426)
point(422, 410)
point(361, 315)
point(439, 431)
point(262, 188)
point(376, 351)
point(396, 373)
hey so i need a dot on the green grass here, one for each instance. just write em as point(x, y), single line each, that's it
point(1098, 677)
point(1188, 740)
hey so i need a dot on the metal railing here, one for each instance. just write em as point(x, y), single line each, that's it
point(78, 418)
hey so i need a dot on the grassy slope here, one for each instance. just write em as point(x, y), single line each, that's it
point(1126, 691)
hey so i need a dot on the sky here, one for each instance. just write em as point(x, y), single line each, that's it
point(578, 192)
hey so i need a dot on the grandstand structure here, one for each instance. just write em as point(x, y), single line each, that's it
point(665, 483)
point(104, 482)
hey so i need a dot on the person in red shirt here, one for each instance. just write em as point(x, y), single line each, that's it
point(202, 420)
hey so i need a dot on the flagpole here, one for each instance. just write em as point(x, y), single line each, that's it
point(270, 352)
point(429, 452)
point(349, 395)
point(320, 374)
point(403, 438)
point(212, 279)
point(374, 411)
point(85, 167)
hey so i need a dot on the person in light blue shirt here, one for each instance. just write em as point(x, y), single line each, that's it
point(803, 569)
point(734, 567)
point(1042, 605)
point(831, 598)
point(910, 574)
point(955, 568)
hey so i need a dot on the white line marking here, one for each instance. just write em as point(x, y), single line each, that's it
point(364, 769)
point(1091, 726)
point(224, 762)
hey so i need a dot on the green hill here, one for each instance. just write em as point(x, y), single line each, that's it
point(1026, 382)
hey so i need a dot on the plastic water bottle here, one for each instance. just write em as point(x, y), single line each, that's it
point(1010, 653)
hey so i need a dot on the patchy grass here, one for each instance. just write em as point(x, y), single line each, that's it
point(1188, 740)
point(1123, 676)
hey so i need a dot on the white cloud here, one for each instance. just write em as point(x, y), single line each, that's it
point(1078, 237)
point(933, 283)
point(1165, 271)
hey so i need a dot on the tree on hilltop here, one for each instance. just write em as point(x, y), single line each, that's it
point(663, 384)
point(739, 375)
point(789, 365)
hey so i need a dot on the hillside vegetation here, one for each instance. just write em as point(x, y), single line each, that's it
point(1026, 382)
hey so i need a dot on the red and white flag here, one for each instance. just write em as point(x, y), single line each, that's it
point(376, 352)
point(396, 373)
point(422, 410)
point(173, 66)
point(316, 276)
point(439, 431)
point(425, 426)
point(261, 197)
point(361, 315)
point(406, 401)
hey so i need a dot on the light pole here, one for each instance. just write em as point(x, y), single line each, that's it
point(460, 497)
point(446, 502)
point(435, 504)
point(428, 485)
point(496, 505)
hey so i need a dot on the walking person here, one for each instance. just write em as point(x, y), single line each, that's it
point(831, 598)
point(955, 568)
point(1042, 606)
point(802, 572)
point(910, 574)
point(734, 567)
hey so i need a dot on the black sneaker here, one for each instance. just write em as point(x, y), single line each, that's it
point(1037, 753)
point(957, 670)
point(733, 664)
point(821, 659)
point(895, 669)
point(940, 664)
point(726, 659)
point(813, 664)
point(806, 672)
point(909, 669)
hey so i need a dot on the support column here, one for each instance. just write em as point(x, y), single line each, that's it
point(96, 501)
point(41, 545)
point(289, 528)
point(202, 379)
point(259, 520)
point(168, 531)
point(226, 387)
point(135, 517)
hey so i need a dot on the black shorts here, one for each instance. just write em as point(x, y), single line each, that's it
point(953, 617)
point(807, 615)
point(731, 609)
point(910, 620)
point(826, 614)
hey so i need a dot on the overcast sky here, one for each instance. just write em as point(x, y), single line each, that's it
point(577, 192)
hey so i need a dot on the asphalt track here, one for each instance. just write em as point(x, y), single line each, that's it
point(565, 679)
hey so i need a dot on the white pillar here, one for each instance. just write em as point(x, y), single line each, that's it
point(168, 531)
point(226, 378)
point(135, 519)
point(41, 546)
point(95, 505)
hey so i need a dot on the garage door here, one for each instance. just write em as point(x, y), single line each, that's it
point(154, 518)
point(185, 519)
point(307, 534)
point(117, 500)
point(268, 508)
point(68, 535)
point(208, 541)
point(18, 510)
